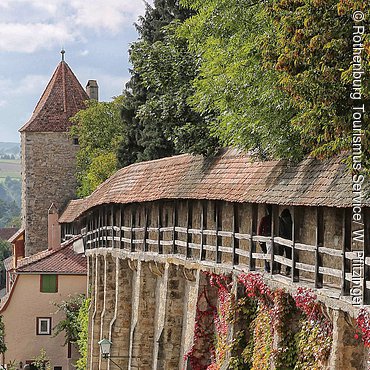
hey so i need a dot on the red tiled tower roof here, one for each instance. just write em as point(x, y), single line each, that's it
point(63, 98)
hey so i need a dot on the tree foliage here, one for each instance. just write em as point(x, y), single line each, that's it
point(278, 73)
point(98, 128)
point(158, 121)
point(83, 319)
point(74, 325)
point(69, 325)
point(3, 347)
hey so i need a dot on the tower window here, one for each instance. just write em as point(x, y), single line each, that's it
point(75, 141)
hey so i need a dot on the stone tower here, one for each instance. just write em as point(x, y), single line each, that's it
point(49, 155)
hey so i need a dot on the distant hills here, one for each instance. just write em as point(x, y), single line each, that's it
point(10, 150)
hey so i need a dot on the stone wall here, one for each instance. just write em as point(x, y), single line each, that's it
point(48, 176)
point(147, 306)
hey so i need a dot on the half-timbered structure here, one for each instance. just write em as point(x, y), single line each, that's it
point(151, 227)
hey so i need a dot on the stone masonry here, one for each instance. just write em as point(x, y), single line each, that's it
point(48, 176)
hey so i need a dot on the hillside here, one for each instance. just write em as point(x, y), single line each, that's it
point(10, 150)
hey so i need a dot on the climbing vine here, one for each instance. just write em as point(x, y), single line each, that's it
point(271, 327)
point(363, 327)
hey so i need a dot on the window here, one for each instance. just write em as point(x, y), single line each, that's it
point(43, 326)
point(57, 368)
point(75, 141)
point(49, 283)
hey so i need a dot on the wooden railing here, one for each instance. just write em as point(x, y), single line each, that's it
point(233, 247)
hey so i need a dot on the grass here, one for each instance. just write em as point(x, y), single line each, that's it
point(14, 161)
point(11, 168)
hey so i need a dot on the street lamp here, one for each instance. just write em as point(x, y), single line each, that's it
point(105, 345)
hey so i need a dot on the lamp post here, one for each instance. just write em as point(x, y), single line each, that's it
point(105, 345)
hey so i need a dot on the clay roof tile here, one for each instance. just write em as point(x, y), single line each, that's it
point(63, 98)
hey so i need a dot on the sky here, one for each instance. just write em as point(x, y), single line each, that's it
point(95, 34)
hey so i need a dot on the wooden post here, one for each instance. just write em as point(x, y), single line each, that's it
point(174, 220)
point(132, 225)
point(252, 229)
point(120, 226)
point(99, 227)
point(203, 223)
point(189, 221)
point(274, 232)
point(159, 225)
point(295, 217)
point(106, 226)
point(145, 233)
point(346, 247)
point(112, 224)
point(319, 242)
point(218, 227)
point(235, 242)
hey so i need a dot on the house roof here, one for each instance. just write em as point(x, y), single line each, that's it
point(60, 261)
point(7, 232)
point(63, 98)
point(231, 176)
point(16, 235)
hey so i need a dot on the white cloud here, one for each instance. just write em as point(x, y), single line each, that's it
point(30, 25)
point(30, 37)
point(30, 85)
point(84, 53)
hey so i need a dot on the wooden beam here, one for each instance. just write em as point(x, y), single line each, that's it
point(132, 225)
point(159, 225)
point(235, 241)
point(175, 222)
point(252, 233)
point(218, 211)
point(274, 232)
point(203, 225)
point(295, 218)
point(100, 242)
point(318, 243)
point(189, 222)
point(105, 226)
point(112, 225)
point(120, 226)
point(145, 235)
point(346, 247)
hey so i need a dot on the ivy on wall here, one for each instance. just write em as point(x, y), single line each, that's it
point(247, 325)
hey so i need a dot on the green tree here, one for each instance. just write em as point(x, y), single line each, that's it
point(98, 129)
point(276, 73)
point(42, 362)
point(158, 121)
point(83, 319)
point(313, 55)
point(69, 325)
point(3, 347)
point(74, 325)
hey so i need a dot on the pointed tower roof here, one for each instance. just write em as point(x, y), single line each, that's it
point(63, 98)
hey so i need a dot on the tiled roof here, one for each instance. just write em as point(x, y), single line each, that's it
point(232, 176)
point(63, 98)
point(75, 206)
point(60, 261)
point(8, 263)
point(16, 235)
point(7, 232)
